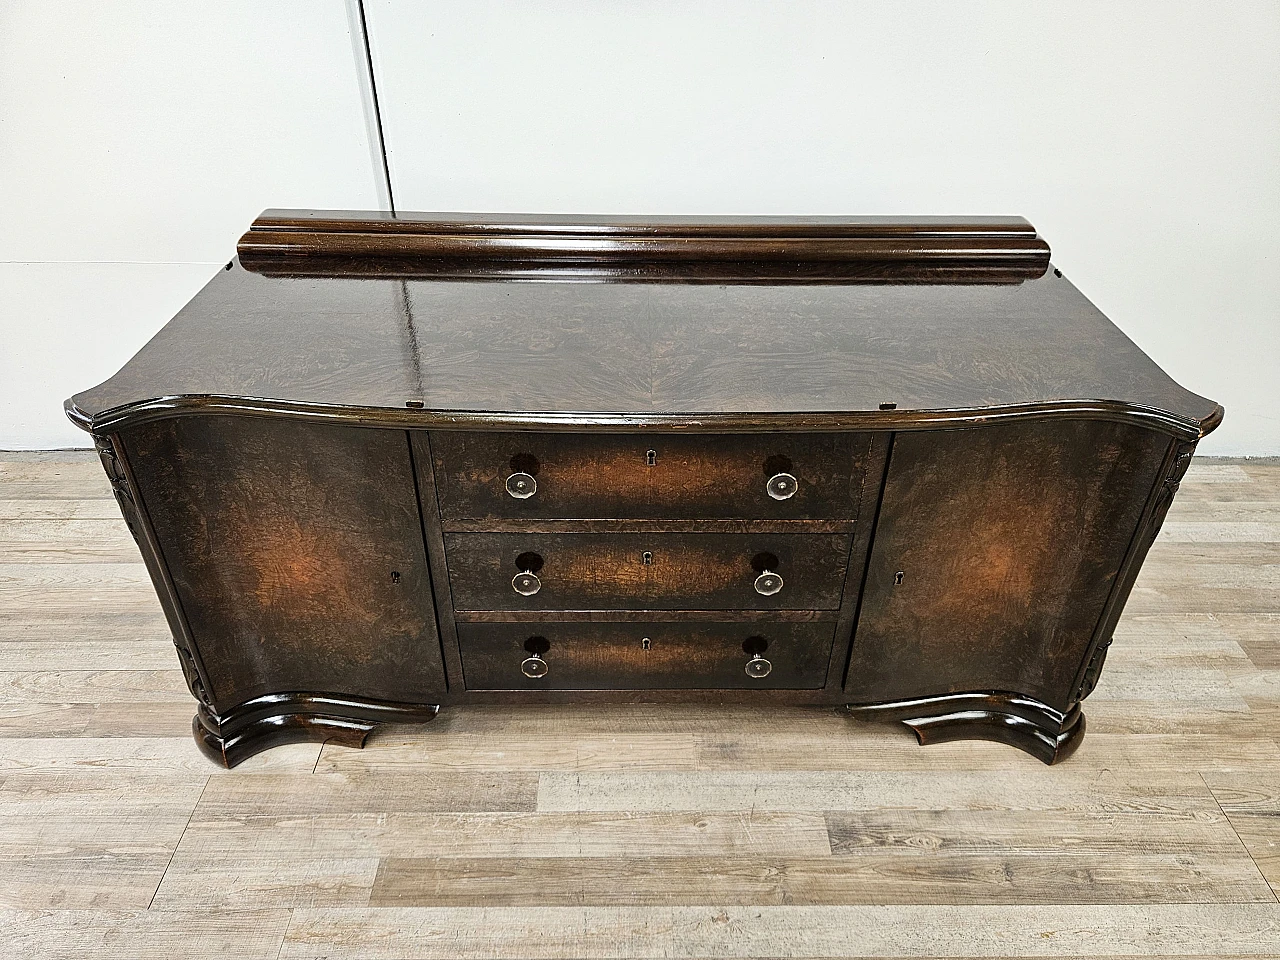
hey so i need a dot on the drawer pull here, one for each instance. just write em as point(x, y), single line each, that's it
point(534, 667)
point(768, 583)
point(782, 486)
point(757, 667)
point(526, 582)
point(521, 485)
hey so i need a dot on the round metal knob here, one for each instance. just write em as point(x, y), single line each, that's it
point(782, 486)
point(522, 486)
point(526, 583)
point(768, 583)
point(758, 667)
point(536, 667)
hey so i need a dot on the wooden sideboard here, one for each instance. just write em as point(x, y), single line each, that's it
point(381, 465)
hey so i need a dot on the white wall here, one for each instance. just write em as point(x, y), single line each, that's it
point(137, 140)
point(1141, 138)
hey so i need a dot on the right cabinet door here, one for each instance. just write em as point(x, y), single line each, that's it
point(994, 553)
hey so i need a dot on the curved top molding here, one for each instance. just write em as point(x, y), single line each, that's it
point(117, 418)
point(710, 249)
point(363, 344)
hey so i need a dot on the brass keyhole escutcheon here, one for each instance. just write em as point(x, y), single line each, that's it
point(651, 458)
point(646, 558)
point(646, 644)
point(898, 577)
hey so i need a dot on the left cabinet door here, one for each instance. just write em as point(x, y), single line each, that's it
point(297, 554)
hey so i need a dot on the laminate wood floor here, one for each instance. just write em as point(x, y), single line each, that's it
point(636, 831)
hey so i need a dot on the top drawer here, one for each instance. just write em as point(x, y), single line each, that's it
point(563, 476)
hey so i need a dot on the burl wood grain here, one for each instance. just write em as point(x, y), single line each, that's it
point(296, 550)
point(589, 350)
point(614, 656)
point(994, 554)
point(686, 571)
point(1029, 434)
point(602, 476)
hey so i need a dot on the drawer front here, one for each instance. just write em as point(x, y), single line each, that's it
point(645, 656)
point(490, 476)
point(587, 571)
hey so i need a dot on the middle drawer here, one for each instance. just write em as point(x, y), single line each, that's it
point(591, 571)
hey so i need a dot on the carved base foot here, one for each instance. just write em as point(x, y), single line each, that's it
point(269, 721)
point(1021, 722)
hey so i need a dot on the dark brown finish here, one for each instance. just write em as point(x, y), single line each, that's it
point(810, 249)
point(124, 486)
point(270, 720)
point(593, 476)
point(338, 484)
point(591, 357)
point(1177, 460)
point(296, 550)
point(869, 503)
point(995, 552)
point(679, 655)
point(702, 571)
point(1022, 722)
point(433, 537)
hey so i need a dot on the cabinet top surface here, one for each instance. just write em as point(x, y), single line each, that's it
point(608, 350)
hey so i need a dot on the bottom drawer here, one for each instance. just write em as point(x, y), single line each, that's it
point(661, 655)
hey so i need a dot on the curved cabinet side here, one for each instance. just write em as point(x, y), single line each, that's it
point(125, 488)
point(296, 562)
point(1177, 462)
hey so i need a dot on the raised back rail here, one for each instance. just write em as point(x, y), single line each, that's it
point(743, 249)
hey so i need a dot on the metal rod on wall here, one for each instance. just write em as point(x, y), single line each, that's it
point(359, 27)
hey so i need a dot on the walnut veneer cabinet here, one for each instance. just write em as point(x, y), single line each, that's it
point(383, 464)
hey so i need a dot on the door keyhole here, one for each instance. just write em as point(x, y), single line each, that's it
point(646, 644)
point(897, 577)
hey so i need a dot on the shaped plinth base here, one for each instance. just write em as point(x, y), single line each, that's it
point(1021, 722)
point(264, 722)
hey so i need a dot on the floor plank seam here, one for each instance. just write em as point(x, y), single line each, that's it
point(1244, 846)
point(284, 936)
point(174, 852)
